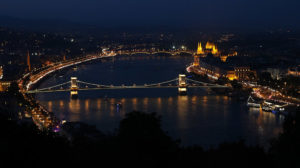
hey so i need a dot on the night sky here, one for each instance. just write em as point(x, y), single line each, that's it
point(242, 13)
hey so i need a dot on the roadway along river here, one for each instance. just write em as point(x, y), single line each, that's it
point(200, 118)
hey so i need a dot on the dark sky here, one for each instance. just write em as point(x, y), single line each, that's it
point(160, 12)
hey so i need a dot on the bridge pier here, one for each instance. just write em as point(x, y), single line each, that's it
point(74, 87)
point(182, 85)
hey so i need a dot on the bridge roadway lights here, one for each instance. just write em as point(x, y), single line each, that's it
point(74, 88)
point(182, 85)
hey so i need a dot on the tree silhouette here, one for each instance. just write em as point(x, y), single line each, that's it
point(285, 150)
point(141, 135)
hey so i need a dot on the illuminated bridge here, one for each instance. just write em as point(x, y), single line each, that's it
point(75, 85)
point(175, 52)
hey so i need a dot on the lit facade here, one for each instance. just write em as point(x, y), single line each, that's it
point(294, 71)
point(231, 75)
point(28, 61)
point(244, 73)
point(1, 72)
point(200, 49)
point(211, 48)
point(4, 85)
point(216, 70)
point(223, 58)
point(198, 54)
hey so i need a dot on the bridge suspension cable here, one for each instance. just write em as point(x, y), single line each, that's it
point(98, 85)
point(153, 84)
point(101, 86)
point(48, 88)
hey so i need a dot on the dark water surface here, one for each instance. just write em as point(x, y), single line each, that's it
point(200, 118)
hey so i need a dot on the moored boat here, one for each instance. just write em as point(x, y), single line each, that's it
point(253, 103)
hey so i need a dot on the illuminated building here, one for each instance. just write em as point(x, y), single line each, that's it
point(223, 58)
point(244, 73)
point(1, 72)
point(294, 71)
point(232, 54)
point(28, 61)
point(209, 45)
point(215, 68)
point(199, 49)
point(231, 75)
point(199, 53)
point(4, 85)
point(215, 50)
point(214, 65)
point(211, 48)
point(196, 60)
point(276, 73)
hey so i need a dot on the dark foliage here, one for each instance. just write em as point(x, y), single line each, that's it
point(236, 85)
point(139, 142)
point(285, 150)
point(23, 144)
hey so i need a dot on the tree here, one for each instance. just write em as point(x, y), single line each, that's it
point(265, 79)
point(285, 150)
point(140, 135)
point(222, 80)
point(251, 76)
point(236, 85)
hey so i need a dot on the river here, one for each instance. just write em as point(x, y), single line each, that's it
point(200, 117)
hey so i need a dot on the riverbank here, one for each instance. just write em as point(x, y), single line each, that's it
point(43, 118)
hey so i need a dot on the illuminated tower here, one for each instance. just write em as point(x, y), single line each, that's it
point(182, 85)
point(198, 54)
point(28, 61)
point(209, 45)
point(214, 50)
point(74, 87)
point(199, 49)
point(64, 57)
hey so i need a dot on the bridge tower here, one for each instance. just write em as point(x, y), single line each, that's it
point(182, 85)
point(74, 87)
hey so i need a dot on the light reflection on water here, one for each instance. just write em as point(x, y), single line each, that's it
point(193, 119)
point(198, 118)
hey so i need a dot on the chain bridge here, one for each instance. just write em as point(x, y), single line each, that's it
point(75, 85)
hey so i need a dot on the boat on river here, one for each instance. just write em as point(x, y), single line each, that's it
point(273, 107)
point(251, 102)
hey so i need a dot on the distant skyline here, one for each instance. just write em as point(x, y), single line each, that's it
point(187, 13)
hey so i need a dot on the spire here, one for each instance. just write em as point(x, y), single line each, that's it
point(209, 45)
point(28, 61)
point(214, 50)
point(199, 49)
